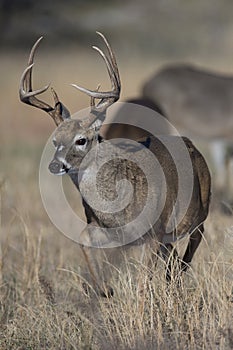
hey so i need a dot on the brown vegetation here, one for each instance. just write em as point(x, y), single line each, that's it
point(42, 302)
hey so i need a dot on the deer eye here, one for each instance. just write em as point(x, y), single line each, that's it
point(80, 142)
point(55, 143)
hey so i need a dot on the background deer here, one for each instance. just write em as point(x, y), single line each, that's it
point(80, 149)
point(132, 113)
point(200, 105)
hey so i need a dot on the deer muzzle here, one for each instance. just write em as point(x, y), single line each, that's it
point(57, 167)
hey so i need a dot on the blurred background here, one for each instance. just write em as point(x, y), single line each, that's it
point(145, 35)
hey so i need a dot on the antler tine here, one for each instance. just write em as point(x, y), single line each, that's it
point(23, 91)
point(28, 80)
point(109, 97)
point(28, 95)
point(112, 75)
point(110, 68)
point(113, 57)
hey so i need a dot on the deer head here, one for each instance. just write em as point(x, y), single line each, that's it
point(73, 138)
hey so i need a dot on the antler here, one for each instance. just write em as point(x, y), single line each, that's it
point(106, 98)
point(59, 112)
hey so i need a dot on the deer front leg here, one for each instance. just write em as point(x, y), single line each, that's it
point(95, 274)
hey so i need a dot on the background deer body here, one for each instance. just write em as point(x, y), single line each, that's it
point(200, 105)
point(80, 151)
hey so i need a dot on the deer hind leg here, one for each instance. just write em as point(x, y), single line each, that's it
point(153, 249)
point(229, 173)
point(194, 241)
point(171, 258)
point(175, 265)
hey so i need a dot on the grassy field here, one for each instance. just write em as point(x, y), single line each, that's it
point(42, 302)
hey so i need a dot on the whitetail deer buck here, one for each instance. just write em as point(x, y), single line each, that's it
point(199, 103)
point(76, 139)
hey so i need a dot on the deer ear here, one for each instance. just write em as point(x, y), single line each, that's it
point(93, 121)
point(61, 111)
point(97, 124)
point(96, 120)
point(64, 112)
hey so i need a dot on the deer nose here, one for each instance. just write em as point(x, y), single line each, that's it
point(56, 168)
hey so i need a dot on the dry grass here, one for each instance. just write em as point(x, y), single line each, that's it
point(43, 304)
